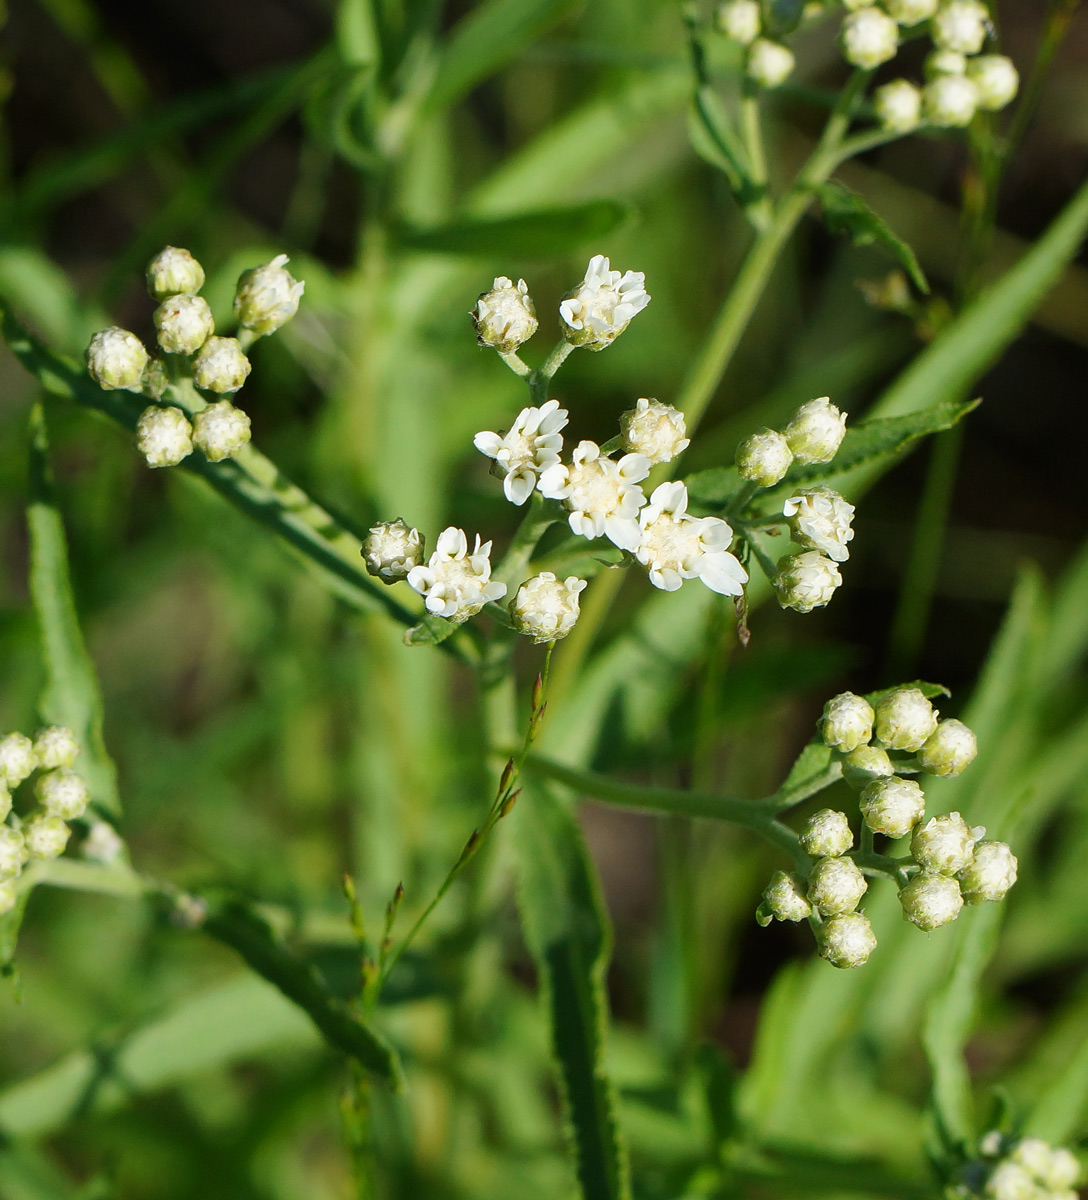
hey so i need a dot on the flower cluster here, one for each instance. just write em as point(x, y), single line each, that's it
point(61, 795)
point(950, 863)
point(1019, 1169)
point(168, 430)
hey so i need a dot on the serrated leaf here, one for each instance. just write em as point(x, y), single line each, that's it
point(569, 935)
point(845, 212)
point(431, 631)
point(930, 690)
point(545, 233)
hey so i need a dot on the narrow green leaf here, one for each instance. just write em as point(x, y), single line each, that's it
point(1058, 1115)
point(569, 935)
point(356, 33)
point(72, 695)
point(546, 233)
point(847, 213)
point(236, 924)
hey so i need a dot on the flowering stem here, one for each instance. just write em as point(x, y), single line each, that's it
point(766, 564)
point(759, 210)
point(541, 377)
point(516, 363)
point(539, 518)
point(879, 864)
point(787, 797)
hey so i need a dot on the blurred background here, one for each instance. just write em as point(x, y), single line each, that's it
point(250, 713)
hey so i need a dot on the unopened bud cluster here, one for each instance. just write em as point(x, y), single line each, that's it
point(168, 430)
point(1025, 1168)
point(951, 864)
point(42, 829)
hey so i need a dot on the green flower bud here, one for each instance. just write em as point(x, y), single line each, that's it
point(990, 873)
point(847, 722)
point(806, 581)
point(847, 940)
point(392, 549)
point(62, 794)
point(836, 886)
point(505, 317)
point(996, 78)
point(949, 750)
point(898, 105)
point(815, 431)
point(892, 806)
point(740, 21)
point(220, 366)
point(46, 836)
point(12, 852)
point(783, 900)
point(904, 719)
point(930, 901)
point(826, 834)
point(56, 746)
point(950, 101)
point(769, 63)
point(116, 359)
point(944, 844)
point(869, 37)
point(267, 297)
point(764, 458)
point(865, 764)
point(163, 436)
point(17, 759)
point(221, 430)
point(184, 324)
point(174, 272)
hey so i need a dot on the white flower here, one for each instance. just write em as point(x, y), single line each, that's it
point(739, 21)
point(45, 836)
point(546, 607)
point(847, 940)
point(869, 38)
point(103, 844)
point(820, 520)
point(815, 431)
point(456, 584)
point(865, 764)
point(949, 750)
point(836, 886)
point(904, 719)
point(892, 806)
point(1063, 1170)
point(898, 105)
point(675, 546)
point(961, 25)
point(116, 359)
point(806, 581)
point(655, 430)
point(221, 430)
point(996, 78)
point(783, 900)
point(164, 436)
point(505, 317)
point(174, 272)
point(910, 12)
point(950, 101)
point(17, 759)
point(56, 746)
point(847, 722)
point(12, 852)
point(220, 365)
point(62, 794)
point(764, 458)
point(603, 496)
point(392, 549)
point(1011, 1181)
point(930, 901)
point(944, 844)
point(826, 834)
point(266, 298)
point(533, 443)
point(600, 308)
point(769, 63)
point(1034, 1155)
point(990, 873)
point(184, 324)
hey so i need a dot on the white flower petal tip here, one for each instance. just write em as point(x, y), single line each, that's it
point(504, 317)
point(602, 496)
point(674, 546)
point(601, 307)
point(523, 454)
point(456, 584)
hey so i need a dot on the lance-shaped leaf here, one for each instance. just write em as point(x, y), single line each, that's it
point(847, 213)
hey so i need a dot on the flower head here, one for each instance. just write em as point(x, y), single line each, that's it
point(220, 366)
point(164, 436)
point(820, 520)
point(56, 746)
point(174, 272)
point(764, 458)
point(13, 852)
point(990, 873)
point(815, 431)
point(456, 584)
point(892, 806)
point(930, 901)
point(603, 496)
point(898, 105)
point(847, 722)
point(600, 308)
point(532, 444)
point(769, 63)
point(45, 836)
point(996, 78)
point(950, 101)
point(654, 430)
point(910, 12)
point(116, 359)
point(836, 886)
point(866, 763)
point(221, 430)
point(961, 25)
point(739, 20)
point(17, 759)
point(546, 607)
point(784, 899)
point(944, 844)
point(949, 750)
point(266, 298)
point(103, 844)
point(505, 317)
point(806, 581)
point(847, 940)
point(392, 549)
point(674, 546)
point(184, 324)
point(62, 793)
point(1012, 1181)
point(944, 62)
point(904, 719)
point(869, 38)
point(826, 834)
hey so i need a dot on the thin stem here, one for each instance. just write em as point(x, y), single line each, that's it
point(766, 564)
point(760, 211)
point(540, 516)
point(542, 376)
point(516, 364)
point(787, 797)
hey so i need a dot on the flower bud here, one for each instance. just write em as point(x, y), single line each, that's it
point(898, 105)
point(944, 844)
point(164, 436)
point(869, 38)
point(820, 520)
point(9, 897)
point(960, 25)
point(103, 844)
point(220, 366)
point(836, 886)
point(221, 430)
point(17, 759)
point(184, 324)
point(545, 607)
point(739, 21)
point(1062, 1171)
point(949, 750)
point(46, 836)
point(815, 431)
point(847, 940)
point(764, 458)
point(174, 272)
point(944, 62)
point(116, 359)
point(806, 581)
point(949, 101)
point(904, 719)
point(996, 78)
point(505, 317)
point(990, 873)
point(910, 12)
point(769, 63)
point(847, 722)
point(266, 298)
point(62, 794)
point(601, 307)
point(866, 763)
point(892, 806)
point(392, 549)
point(654, 430)
point(12, 852)
point(56, 746)
point(930, 901)
point(1012, 1181)
point(783, 900)
point(826, 834)
point(5, 803)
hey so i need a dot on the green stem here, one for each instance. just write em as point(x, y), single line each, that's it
point(542, 376)
point(540, 516)
point(766, 564)
point(760, 211)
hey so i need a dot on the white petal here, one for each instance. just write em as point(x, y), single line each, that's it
point(451, 543)
point(722, 573)
point(488, 443)
point(635, 467)
point(519, 486)
point(623, 532)
point(554, 482)
point(494, 591)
